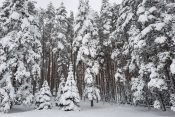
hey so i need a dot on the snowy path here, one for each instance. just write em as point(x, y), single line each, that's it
point(100, 110)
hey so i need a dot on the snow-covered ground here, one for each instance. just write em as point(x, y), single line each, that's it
point(99, 110)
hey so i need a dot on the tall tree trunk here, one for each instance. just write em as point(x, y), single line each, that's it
point(48, 72)
point(92, 103)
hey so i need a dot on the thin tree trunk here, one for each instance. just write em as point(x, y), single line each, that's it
point(48, 72)
point(92, 103)
point(161, 101)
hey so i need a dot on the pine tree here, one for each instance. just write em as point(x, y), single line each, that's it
point(142, 50)
point(60, 39)
point(105, 29)
point(70, 98)
point(43, 98)
point(89, 47)
point(123, 54)
point(19, 44)
point(106, 21)
point(70, 34)
point(80, 21)
point(127, 49)
point(91, 91)
point(47, 28)
point(87, 43)
point(152, 43)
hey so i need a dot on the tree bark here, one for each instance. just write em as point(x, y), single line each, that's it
point(161, 101)
point(92, 103)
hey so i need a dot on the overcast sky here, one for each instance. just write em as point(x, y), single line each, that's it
point(71, 4)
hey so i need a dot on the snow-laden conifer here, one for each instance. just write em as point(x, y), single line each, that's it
point(43, 97)
point(69, 100)
point(60, 90)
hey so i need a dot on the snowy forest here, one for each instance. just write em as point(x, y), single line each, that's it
point(124, 54)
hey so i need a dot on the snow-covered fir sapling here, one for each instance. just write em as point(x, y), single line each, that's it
point(24, 95)
point(5, 102)
point(91, 91)
point(60, 90)
point(172, 100)
point(7, 94)
point(43, 98)
point(69, 100)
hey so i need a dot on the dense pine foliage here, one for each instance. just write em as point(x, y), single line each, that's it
point(124, 54)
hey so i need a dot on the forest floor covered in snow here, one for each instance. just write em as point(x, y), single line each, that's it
point(99, 110)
